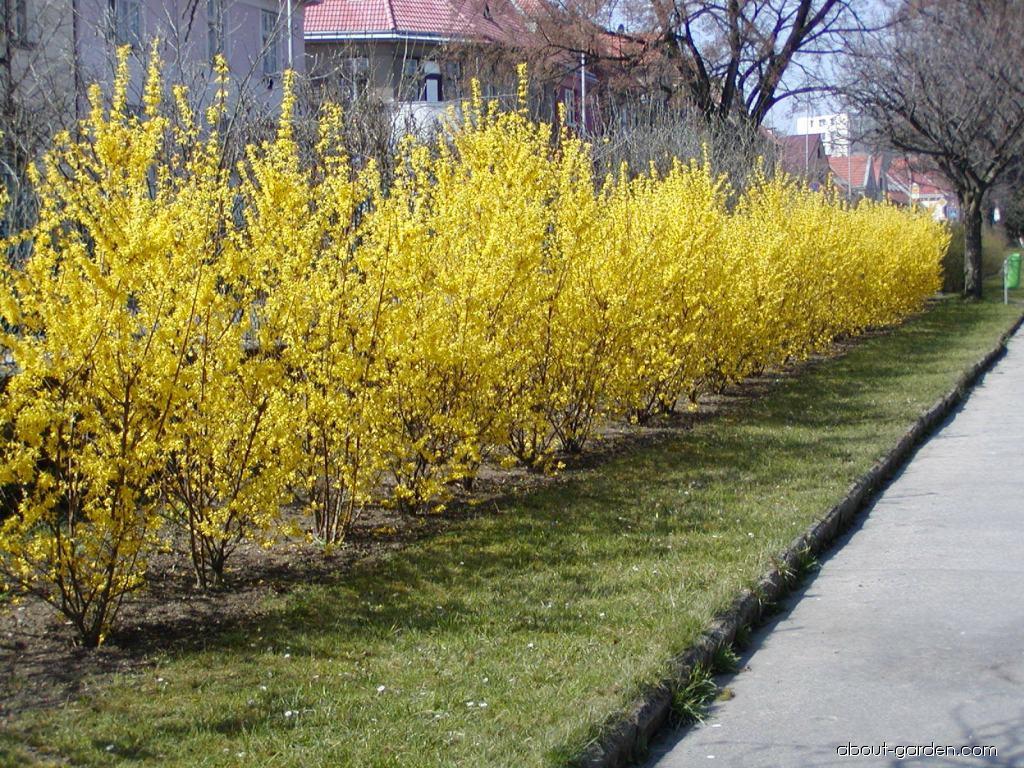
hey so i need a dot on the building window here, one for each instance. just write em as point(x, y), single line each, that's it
point(19, 28)
point(569, 99)
point(215, 28)
point(431, 90)
point(269, 38)
point(421, 81)
point(409, 84)
point(356, 76)
point(127, 16)
point(453, 76)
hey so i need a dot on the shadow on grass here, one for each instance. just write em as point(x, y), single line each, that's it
point(830, 410)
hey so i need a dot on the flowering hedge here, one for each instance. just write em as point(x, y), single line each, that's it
point(197, 345)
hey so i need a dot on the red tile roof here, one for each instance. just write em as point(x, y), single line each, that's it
point(495, 20)
point(370, 15)
point(930, 182)
point(623, 45)
point(852, 171)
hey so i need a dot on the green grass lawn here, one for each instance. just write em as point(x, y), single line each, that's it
point(510, 639)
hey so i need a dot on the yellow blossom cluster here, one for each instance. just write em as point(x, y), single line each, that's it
point(195, 346)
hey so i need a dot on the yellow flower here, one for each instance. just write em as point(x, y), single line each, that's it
point(201, 344)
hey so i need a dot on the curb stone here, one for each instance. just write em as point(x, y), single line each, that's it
point(628, 737)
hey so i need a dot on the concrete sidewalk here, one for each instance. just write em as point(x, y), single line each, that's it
point(912, 633)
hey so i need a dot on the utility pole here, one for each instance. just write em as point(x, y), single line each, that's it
point(807, 133)
point(849, 173)
point(288, 15)
point(583, 93)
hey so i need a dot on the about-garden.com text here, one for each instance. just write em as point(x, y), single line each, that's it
point(905, 751)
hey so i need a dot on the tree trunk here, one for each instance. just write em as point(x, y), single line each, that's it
point(971, 202)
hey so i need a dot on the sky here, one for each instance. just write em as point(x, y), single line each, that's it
point(782, 118)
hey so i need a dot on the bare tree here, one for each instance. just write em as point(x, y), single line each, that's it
point(36, 96)
point(649, 133)
point(944, 82)
point(729, 59)
point(51, 50)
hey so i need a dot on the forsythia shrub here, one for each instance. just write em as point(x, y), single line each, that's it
point(465, 289)
point(98, 322)
point(228, 449)
point(325, 308)
point(567, 349)
point(669, 232)
point(201, 344)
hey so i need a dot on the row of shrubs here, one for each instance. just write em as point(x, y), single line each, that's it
point(196, 346)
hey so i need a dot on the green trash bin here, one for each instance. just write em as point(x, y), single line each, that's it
point(1012, 277)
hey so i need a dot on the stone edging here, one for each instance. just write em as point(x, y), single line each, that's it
point(629, 737)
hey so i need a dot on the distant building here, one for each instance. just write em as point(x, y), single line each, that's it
point(860, 175)
point(841, 133)
point(804, 156)
point(56, 48)
point(911, 182)
point(419, 56)
point(52, 51)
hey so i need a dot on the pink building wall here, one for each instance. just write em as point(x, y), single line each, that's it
point(185, 47)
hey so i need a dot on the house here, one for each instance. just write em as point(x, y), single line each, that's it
point(51, 51)
point(37, 68)
point(859, 175)
point(913, 182)
point(252, 35)
point(804, 156)
point(420, 56)
point(58, 47)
